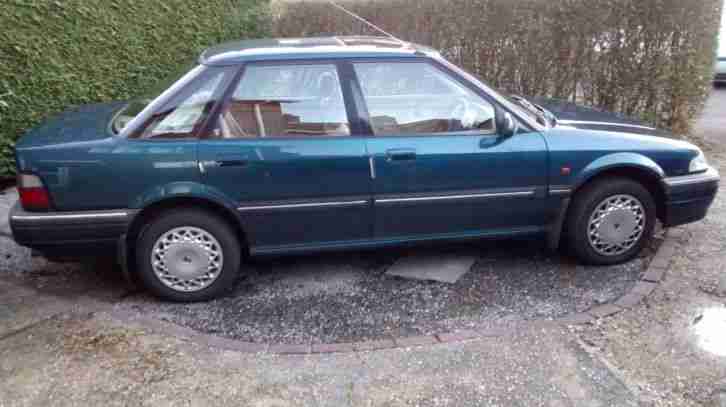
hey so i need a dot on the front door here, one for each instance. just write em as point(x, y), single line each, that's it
point(442, 169)
point(284, 150)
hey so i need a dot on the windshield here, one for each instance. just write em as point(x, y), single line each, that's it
point(510, 102)
point(141, 102)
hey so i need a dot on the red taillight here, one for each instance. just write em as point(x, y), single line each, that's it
point(33, 195)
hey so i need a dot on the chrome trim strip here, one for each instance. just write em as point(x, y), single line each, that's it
point(74, 216)
point(634, 126)
point(458, 197)
point(560, 191)
point(302, 205)
point(709, 176)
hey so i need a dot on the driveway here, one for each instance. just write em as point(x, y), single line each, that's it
point(75, 334)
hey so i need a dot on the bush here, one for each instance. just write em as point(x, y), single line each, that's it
point(648, 58)
point(54, 54)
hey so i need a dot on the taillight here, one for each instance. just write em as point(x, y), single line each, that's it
point(33, 195)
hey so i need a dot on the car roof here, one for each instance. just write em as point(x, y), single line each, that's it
point(310, 48)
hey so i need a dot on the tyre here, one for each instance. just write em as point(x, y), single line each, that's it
point(610, 221)
point(187, 255)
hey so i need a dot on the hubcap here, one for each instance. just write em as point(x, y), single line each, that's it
point(187, 259)
point(616, 225)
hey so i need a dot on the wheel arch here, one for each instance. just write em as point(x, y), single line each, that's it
point(631, 166)
point(651, 178)
point(157, 207)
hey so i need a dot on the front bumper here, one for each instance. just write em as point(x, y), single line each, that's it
point(690, 197)
point(69, 234)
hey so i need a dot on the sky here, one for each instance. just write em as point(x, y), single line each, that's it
point(722, 37)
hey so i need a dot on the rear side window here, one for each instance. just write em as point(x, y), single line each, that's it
point(285, 101)
point(416, 98)
point(183, 115)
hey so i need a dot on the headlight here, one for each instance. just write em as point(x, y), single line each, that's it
point(699, 163)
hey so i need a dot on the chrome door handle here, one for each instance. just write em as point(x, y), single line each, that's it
point(232, 163)
point(203, 165)
point(210, 163)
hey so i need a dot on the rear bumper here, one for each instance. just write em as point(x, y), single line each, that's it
point(69, 234)
point(690, 197)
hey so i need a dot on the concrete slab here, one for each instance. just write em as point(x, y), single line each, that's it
point(8, 198)
point(441, 267)
point(21, 307)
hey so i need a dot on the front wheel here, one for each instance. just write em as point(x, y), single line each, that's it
point(610, 221)
point(188, 255)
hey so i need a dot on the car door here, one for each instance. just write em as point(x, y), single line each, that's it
point(442, 169)
point(283, 148)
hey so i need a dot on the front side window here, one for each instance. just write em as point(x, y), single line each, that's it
point(285, 101)
point(183, 114)
point(416, 98)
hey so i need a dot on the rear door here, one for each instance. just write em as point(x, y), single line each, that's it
point(442, 169)
point(284, 149)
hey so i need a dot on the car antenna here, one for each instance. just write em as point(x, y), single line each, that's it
point(366, 22)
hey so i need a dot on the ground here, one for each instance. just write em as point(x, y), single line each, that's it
point(63, 342)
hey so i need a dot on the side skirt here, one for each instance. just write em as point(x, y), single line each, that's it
point(392, 242)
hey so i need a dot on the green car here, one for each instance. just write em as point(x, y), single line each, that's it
point(274, 147)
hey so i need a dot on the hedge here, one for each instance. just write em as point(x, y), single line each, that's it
point(54, 54)
point(651, 59)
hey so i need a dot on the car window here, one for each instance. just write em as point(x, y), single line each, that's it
point(185, 111)
point(417, 98)
point(285, 101)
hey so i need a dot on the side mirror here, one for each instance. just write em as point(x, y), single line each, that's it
point(509, 125)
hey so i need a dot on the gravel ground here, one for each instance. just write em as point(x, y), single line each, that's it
point(347, 297)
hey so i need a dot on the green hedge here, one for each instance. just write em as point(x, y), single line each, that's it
point(648, 58)
point(54, 54)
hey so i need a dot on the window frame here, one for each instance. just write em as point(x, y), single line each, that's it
point(182, 85)
point(499, 110)
point(356, 123)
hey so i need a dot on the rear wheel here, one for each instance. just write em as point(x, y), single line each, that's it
point(188, 255)
point(610, 222)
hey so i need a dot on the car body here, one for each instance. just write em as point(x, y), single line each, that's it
point(720, 76)
point(272, 147)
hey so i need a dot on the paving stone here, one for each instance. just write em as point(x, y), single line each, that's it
point(629, 300)
point(604, 310)
point(416, 341)
point(333, 347)
point(654, 274)
point(374, 345)
point(665, 253)
point(441, 267)
point(458, 336)
point(284, 349)
point(644, 288)
point(577, 319)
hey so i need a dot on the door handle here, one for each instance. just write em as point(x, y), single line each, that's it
point(232, 163)
point(231, 160)
point(401, 154)
point(203, 165)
